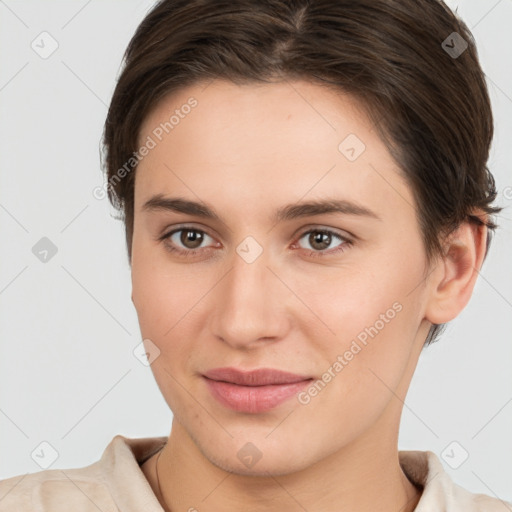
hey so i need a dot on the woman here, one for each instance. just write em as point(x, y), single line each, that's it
point(307, 204)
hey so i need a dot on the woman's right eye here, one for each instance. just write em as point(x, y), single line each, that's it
point(185, 241)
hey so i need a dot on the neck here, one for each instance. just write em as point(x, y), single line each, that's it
point(355, 478)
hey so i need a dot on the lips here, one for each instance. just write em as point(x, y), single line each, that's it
point(260, 377)
point(253, 391)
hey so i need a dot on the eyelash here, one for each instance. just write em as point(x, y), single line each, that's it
point(193, 252)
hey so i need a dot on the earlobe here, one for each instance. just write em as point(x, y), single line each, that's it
point(454, 283)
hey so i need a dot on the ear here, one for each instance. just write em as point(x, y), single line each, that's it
point(456, 272)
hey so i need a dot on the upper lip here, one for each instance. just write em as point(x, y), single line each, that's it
point(258, 377)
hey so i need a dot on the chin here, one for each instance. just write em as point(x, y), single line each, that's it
point(270, 459)
point(262, 468)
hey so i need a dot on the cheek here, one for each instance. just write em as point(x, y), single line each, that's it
point(372, 312)
point(164, 300)
point(361, 369)
point(344, 302)
point(162, 294)
point(169, 300)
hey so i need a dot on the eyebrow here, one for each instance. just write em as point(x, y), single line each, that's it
point(291, 211)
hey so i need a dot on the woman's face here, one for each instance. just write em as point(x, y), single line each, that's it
point(335, 296)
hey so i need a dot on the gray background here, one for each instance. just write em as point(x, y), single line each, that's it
point(68, 375)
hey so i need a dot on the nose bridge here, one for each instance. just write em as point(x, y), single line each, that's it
point(250, 305)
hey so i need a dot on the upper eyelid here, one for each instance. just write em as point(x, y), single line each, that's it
point(167, 234)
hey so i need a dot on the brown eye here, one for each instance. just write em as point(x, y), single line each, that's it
point(191, 238)
point(321, 239)
point(186, 241)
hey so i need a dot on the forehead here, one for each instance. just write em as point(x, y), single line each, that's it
point(222, 104)
point(255, 143)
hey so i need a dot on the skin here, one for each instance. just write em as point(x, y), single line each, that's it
point(245, 151)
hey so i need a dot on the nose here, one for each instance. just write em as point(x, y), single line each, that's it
point(251, 304)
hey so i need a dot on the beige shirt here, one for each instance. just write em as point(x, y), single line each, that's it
point(116, 483)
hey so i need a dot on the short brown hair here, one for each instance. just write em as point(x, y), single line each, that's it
point(429, 103)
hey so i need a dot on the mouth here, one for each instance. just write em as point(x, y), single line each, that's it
point(253, 391)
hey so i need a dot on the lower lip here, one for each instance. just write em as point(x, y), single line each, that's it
point(253, 399)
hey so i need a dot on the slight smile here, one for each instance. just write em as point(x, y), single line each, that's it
point(253, 391)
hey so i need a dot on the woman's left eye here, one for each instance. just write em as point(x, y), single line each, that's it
point(320, 239)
